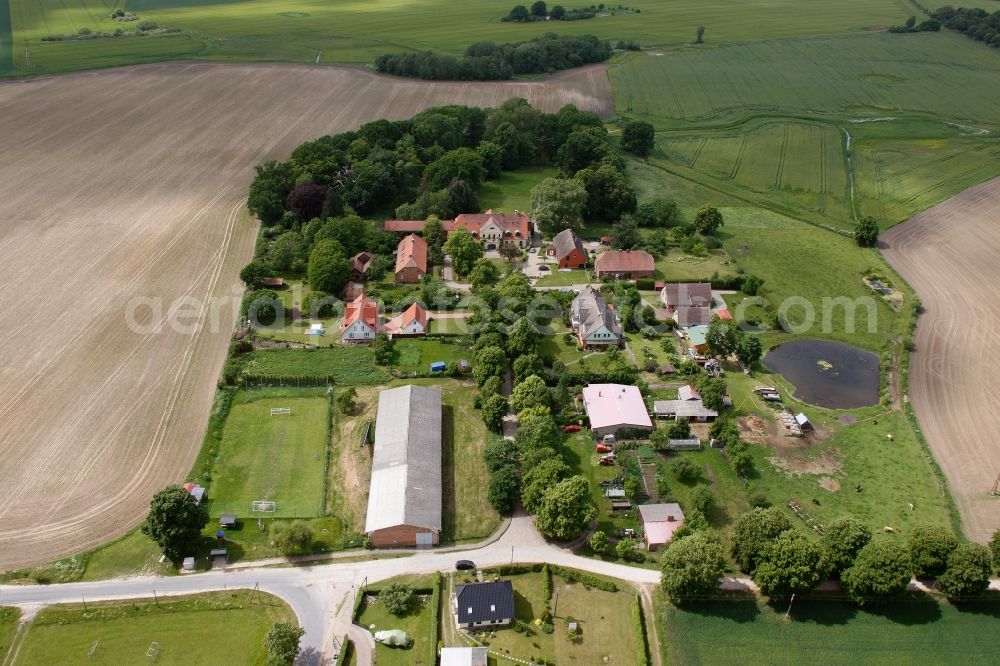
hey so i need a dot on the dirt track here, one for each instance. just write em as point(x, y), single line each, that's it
point(951, 255)
point(129, 183)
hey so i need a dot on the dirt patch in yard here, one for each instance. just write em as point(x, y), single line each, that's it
point(801, 461)
point(829, 483)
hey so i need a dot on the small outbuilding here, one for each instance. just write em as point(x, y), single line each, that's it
point(464, 656)
point(220, 557)
point(438, 366)
point(227, 520)
point(803, 421)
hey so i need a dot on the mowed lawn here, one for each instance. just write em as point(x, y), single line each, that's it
point(418, 622)
point(307, 30)
point(217, 627)
point(512, 190)
point(279, 458)
point(744, 630)
point(416, 354)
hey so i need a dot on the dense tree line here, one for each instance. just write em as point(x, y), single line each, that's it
point(974, 22)
point(433, 164)
point(486, 61)
point(872, 569)
point(911, 25)
point(540, 12)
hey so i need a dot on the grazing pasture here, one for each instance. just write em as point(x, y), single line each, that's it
point(308, 31)
point(122, 193)
point(918, 629)
point(948, 254)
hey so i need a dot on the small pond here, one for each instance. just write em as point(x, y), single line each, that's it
point(827, 374)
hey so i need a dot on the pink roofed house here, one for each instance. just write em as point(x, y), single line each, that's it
point(612, 407)
point(659, 522)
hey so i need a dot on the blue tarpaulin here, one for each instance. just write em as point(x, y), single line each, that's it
point(438, 366)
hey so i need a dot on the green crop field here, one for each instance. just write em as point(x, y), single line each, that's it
point(820, 128)
point(353, 31)
point(263, 457)
point(918, 629)
point(858, 76)
point(189, 630)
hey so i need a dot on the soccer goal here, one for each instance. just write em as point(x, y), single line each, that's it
point(153, 653)
point(281, 411)
point(263, 506)
point(92, 653)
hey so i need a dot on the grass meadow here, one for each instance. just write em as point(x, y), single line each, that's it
point(9, 618)
point(264, 457)
point(416, 354)
point(355, 32)
point(512, 190)
point(190, 630)
point(918, 629)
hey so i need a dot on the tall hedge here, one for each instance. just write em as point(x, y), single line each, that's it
point(639, 631)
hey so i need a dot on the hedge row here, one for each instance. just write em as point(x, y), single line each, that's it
point(291, 380)
point(436, 615)
point(639, 630)
point(590, 580)
point(514, 569)
point(346, 647)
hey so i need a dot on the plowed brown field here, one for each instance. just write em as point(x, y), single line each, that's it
point(950, 254)
point(130, 183)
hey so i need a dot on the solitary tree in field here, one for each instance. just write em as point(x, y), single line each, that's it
point(707, 220)
point(751, 284)
point(175, 521)
point(692, 567)
point(866, 231)
point(282, 644)
point(638, 137)
point(699, 35)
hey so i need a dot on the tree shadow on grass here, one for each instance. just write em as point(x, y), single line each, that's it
point(449, 514)
point(739, 608)
point(910, 609)
point(522, 607)
point(988, 604)
point(823, 611)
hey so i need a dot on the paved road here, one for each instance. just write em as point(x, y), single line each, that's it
point(321, 595)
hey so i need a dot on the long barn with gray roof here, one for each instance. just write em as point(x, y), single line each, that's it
point(404, 501)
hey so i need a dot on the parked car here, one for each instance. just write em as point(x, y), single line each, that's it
point(609, 439)
point(465, 565)
point(572, 427)
point(543, 268)
point(532, 250)
point(604, 448)
point(608, 459)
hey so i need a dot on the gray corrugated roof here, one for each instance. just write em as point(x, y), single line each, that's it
point(406, 465)
point(565, 241)
point(658, 513)
point(683, 408)
point(592, 311)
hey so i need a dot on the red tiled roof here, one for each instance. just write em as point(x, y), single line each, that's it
point(361, 308)
point(724, 314)
point(405, 318)
point(403, 226)
point(412, 251)
point(515, 226)
point(624, 262)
